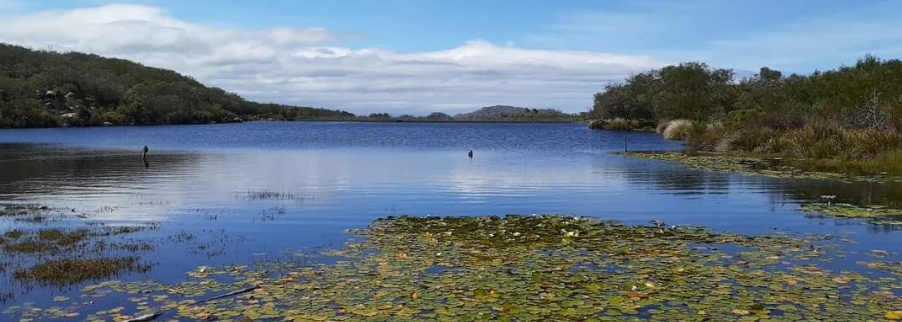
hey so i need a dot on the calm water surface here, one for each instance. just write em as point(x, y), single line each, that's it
point(211, 181)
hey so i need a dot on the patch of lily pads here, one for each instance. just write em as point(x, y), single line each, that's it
point(520, 268)
point(875, 214)
point(754, 165)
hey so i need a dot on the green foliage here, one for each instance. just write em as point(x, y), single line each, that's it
point(851, 113)
point(818, 142)
point(866, 95)
point(689, 90)
point(45, 89)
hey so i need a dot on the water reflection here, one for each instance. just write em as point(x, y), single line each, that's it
point(251, 192)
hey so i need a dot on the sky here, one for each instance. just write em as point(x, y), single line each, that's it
point(421, 56)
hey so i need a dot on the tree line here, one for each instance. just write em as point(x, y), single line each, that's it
point(865, 95)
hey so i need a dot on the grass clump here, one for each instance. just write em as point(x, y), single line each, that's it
point(677, 129)
point(54, 240)
point(13, 234)
point(71, 270)
point(61, 237)
point(46, 241)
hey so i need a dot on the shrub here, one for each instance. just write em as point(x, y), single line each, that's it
point(751, 139)
point(710, 137)
point(619, 124)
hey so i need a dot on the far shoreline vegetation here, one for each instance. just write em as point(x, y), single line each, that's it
point(843, 121)
point(51, 89)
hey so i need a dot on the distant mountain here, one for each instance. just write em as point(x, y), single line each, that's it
point(513, 113)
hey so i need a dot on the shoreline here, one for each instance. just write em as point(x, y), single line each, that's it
point(308, 120)
point(769, 166)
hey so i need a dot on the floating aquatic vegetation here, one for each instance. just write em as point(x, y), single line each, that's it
point(878, 215)
point(520, 268)
point(75, 270)
point(757, 165)
point(852, 211)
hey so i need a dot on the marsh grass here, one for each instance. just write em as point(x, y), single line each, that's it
point(75, 270)
point(10, 210)
point(47, 241)
point(54, 240)
point(268, 195)
point(271, 213)
point(811, 141)
point(13, 234)
point(813, 148)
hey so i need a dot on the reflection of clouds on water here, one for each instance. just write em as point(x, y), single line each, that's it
point(356, 184)
point(102, 185)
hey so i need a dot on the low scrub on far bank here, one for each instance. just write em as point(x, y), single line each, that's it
point(846, 120)
point(620, 124)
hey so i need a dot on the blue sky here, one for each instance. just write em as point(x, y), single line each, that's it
point(492, 44)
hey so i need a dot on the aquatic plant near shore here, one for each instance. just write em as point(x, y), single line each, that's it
point(852, 211)
point(269, 195)
point(74, 270)
point(758, 165)
point(527, 268)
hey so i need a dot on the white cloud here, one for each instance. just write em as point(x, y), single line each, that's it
point(304, 66)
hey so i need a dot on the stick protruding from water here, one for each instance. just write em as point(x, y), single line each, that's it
point(144, 157)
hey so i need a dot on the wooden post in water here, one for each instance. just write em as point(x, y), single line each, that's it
point(626, 147)
point(144, 157)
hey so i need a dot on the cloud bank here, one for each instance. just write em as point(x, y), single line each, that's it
point(308, 66)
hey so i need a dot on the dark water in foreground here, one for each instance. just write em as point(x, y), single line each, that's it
point(256, 191)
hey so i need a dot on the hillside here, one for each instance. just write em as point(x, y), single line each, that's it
point(511, 113)
point(47, 89)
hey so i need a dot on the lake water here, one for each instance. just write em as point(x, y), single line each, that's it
point(256, 191)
